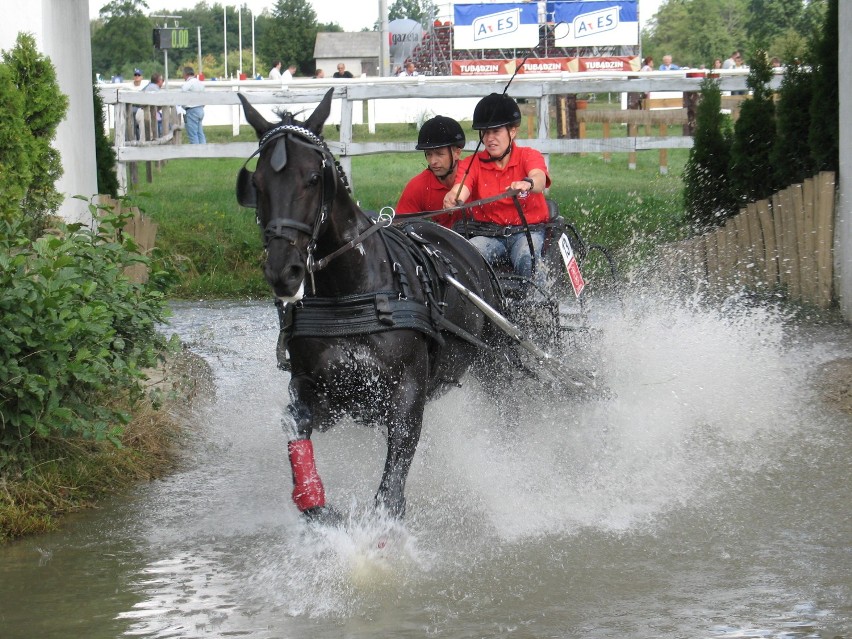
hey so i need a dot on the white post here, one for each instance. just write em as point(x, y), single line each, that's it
point(240, 39)
point(843, 215)
point(384, 46)
point(200, 69)
point(253, 66)
point(66, 41)
point(225, 23)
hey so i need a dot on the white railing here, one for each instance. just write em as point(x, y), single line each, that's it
point(395, 100)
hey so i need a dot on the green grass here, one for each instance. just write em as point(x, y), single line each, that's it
point(216, 244)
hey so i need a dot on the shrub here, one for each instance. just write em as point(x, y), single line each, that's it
point(707, 195)
point(825, 108)
point(15, 172)
point(791, 153)
point(750, 173)
point(73, 331)
point(44, 108)
point(104, 152)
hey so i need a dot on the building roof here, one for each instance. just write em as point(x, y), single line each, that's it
point(363, 44)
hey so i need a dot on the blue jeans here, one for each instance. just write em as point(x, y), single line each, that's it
point(194, 131)
point(516, 248)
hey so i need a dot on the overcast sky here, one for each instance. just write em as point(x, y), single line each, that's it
point(357, 14)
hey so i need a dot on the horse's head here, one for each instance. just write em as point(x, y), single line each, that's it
point(292, 188)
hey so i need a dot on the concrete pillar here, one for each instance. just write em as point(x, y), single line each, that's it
point(843, 223)
point(61, 30)
point(67, 41)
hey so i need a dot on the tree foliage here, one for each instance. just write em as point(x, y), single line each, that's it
point(707, 194)
point(751, 174)
point(44, 107)
point(15, 142)
point(104, 152)
point(291, 34)
point(423, 11)
point(791, 157)
point(825, 105)
point(121, 39)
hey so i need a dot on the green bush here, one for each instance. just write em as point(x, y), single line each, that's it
point(75, 333)
point(791, 153)
point(707, 195)
point(104, 152)
point(825, 107)
point(15, 172)
point(750, 173)
point(44, 107)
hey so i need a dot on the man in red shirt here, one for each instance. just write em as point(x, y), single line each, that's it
point(441, 139)
point(499, 232)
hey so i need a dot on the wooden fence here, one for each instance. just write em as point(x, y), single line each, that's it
point(142, 229)
point(783, 243)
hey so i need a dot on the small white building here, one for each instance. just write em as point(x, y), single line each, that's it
point(358, 51)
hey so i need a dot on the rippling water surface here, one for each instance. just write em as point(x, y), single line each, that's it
point(709, 497)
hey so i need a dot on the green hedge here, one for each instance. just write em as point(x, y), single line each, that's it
point(75, 333)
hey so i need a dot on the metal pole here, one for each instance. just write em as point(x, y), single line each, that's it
point(253, 67)
point(200, 69)
point(225, 21)
point(240, 29)
point(384, 47)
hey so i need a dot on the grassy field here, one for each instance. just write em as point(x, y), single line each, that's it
point(216, 244)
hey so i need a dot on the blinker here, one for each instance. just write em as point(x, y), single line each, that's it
point(246, 191)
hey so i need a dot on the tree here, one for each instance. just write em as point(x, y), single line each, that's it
point(751, 174)
point(707, 194)
point(696, 31)
point(104, 153)
point(825, 107)
point(291, 34)
point(769, 19)
point(123, 39)
point(15, 139)
point(423, 11)
point(791, 153)
point(44, 107)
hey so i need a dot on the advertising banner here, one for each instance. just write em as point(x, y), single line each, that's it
point(495, 26)
point(597, 23)
point(630, 64)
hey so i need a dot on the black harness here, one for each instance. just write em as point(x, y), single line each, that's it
point(362, 314)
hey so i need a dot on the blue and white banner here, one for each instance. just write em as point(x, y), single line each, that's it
point(597, 23)
point(495, 26)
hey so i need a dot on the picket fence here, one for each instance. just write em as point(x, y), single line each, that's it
point(784, 243)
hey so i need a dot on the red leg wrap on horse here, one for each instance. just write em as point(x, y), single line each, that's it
point(308, 491)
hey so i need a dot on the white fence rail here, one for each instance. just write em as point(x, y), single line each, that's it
point(395, 100)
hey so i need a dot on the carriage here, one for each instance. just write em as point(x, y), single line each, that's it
point(379, 318)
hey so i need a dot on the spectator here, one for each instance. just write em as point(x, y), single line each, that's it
point(668, 65)
point(648, 64)
point(319, 74)
point(342, 72)
point(733, 62)
point(288, 74)
point(193, 113)
point(137, 79)
point(717, 63)
point(775, 63)
point(155, 84)
point(441, 139)
point(408, 71)
point(275, 71)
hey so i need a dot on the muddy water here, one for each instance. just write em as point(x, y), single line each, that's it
point(709, 497)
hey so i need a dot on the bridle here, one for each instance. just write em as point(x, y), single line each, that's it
point(278, 228)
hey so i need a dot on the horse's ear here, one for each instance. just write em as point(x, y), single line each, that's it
point(255, 119)
point(320, 114)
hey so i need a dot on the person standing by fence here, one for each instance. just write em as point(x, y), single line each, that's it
point(193, 114)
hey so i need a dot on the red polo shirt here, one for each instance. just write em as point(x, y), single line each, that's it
point(425, 192)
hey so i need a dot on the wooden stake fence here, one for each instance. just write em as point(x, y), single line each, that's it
point(782, 243)
point(142, 229)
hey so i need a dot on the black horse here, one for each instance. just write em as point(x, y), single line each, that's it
point(373, 329)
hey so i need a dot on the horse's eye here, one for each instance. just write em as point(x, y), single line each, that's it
point(315, 178)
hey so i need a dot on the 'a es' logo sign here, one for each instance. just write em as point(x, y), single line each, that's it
point(496, 24)
point(596, 22)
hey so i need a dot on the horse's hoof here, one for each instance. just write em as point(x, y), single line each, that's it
point(323, 516)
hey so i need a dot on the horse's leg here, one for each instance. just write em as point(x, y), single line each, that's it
point(308, 491)
point(403, 435)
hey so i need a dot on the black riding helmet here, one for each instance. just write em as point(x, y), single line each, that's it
point(494, 110)
point(440, 131)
